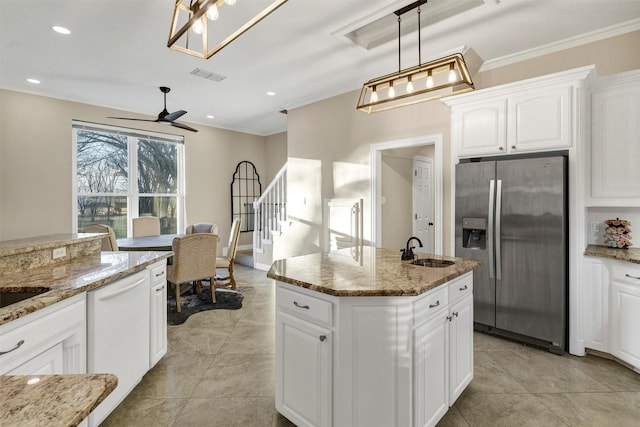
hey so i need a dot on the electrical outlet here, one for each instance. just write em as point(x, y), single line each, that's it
point(59, 252)
point(594, 226)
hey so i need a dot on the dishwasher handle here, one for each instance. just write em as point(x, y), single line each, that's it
point(116, 292)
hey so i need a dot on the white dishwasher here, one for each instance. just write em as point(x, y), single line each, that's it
point(118, 336)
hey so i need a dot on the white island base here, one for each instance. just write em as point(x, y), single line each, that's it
point(385, 361)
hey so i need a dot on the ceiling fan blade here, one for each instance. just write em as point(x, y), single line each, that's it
point(181, 126)
point(174, 116)
point(129, 118)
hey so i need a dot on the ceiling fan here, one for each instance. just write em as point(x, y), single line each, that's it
point(165, 117)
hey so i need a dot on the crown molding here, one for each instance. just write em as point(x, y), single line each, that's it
point(560, 45)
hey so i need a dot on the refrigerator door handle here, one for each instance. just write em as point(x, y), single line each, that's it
point(498, 236)
point(492, 193)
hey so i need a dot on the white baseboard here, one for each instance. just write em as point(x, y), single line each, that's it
point(260, 266)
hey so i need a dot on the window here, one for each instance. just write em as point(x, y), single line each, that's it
point(123, 173)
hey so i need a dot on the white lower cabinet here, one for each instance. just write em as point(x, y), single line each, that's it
point(304, 380)
point(625, 314)
point(48, 341)
point(372, 361)
point(158, 313)
point(596, 291)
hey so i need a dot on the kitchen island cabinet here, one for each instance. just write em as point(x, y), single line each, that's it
point(371, 340)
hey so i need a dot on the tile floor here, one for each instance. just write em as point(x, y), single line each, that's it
point(220, 372)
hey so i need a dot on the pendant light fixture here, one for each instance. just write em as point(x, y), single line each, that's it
point(192, 26)
point(425, 82)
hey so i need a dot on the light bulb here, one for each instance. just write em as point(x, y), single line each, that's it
point(429, 81)
point(453, 76)
point(212, 13)
point(410, 86)
point(374, 96)
point(198, 27)
point(392, 91)
point(230, 2)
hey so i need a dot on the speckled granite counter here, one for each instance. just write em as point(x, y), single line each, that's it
point(374, 272)
point(51, 400)
point(629, 255)
point(71, 278)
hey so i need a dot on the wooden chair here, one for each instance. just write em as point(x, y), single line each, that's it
point(109, 242)
point(193, 260)
point(226, 262)
point(146, 226)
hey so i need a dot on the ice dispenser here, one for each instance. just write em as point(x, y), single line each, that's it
point(474, 233)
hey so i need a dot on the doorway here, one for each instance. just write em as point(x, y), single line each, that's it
point(383, 197)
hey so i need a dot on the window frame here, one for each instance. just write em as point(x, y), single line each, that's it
point(132, 195)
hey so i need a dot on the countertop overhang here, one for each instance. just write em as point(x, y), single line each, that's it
point(71, 278)
point(631, 255)
point(366, 271)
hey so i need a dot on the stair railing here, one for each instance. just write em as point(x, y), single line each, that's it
point(270, 211)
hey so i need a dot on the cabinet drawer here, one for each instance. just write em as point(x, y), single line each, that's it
point(430, 305)
point(29, 336)
point(307, 306)
point(628, 274)
point(158, 272)
point(460, 287)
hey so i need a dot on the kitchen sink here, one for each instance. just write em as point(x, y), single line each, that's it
point(433, 263)
point(8, 296)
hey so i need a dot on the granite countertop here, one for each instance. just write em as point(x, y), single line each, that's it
point(629, 255)
point(71, 278)
point(51, 400)
point(20, 246)
point(366, 271)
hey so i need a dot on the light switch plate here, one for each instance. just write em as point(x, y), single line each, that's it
point(59, 252)
point(594, 226)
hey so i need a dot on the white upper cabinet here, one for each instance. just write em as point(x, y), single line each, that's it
point(615, 140)
point(522, 117)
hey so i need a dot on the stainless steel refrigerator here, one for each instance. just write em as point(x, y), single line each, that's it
point(512, 215)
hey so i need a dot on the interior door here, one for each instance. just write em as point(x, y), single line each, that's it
point(423, 227)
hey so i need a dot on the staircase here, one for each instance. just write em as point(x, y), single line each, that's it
point(270, 216)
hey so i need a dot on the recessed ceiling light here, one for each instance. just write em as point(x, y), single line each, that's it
point(60, 30)
point(271, 93)
point(209, 116)
point(34, 81)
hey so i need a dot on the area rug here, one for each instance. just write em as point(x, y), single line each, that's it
point(191, 303)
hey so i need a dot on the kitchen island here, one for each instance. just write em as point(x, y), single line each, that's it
point(364, 339)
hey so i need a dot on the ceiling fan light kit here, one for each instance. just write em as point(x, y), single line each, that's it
point(204, 18)
point(164, 117)
point(435, 79)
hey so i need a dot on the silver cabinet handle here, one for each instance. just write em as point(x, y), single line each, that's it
point(513, 147)
point(632, 277)
point(464, 288)
point(306, 307)
point(449, 318)
point(322, 338)
point(14, 348)
point(455, 313)
point(160, 289)
point(434, 305)
point(500, 148)
point(160, 274)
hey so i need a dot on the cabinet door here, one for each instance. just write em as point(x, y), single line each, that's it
point(625, 310)
point(540, 120)
point(615, 158)
point(49, 362)
point(431, 369)
point(460, 347)
point(480, 129)
point(158, 323)
point(303, 371)
point(596, 305)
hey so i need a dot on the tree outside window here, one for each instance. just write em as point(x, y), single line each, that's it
point(121, 175)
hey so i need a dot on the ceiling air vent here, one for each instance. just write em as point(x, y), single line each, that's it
point(209, 75)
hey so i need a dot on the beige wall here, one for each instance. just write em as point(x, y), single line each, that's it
point(36, 165)
point(276, 152)
point(329, 141)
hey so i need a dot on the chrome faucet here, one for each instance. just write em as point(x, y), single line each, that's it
point(407, 253)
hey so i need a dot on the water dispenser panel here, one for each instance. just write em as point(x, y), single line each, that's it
point(474, 233)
